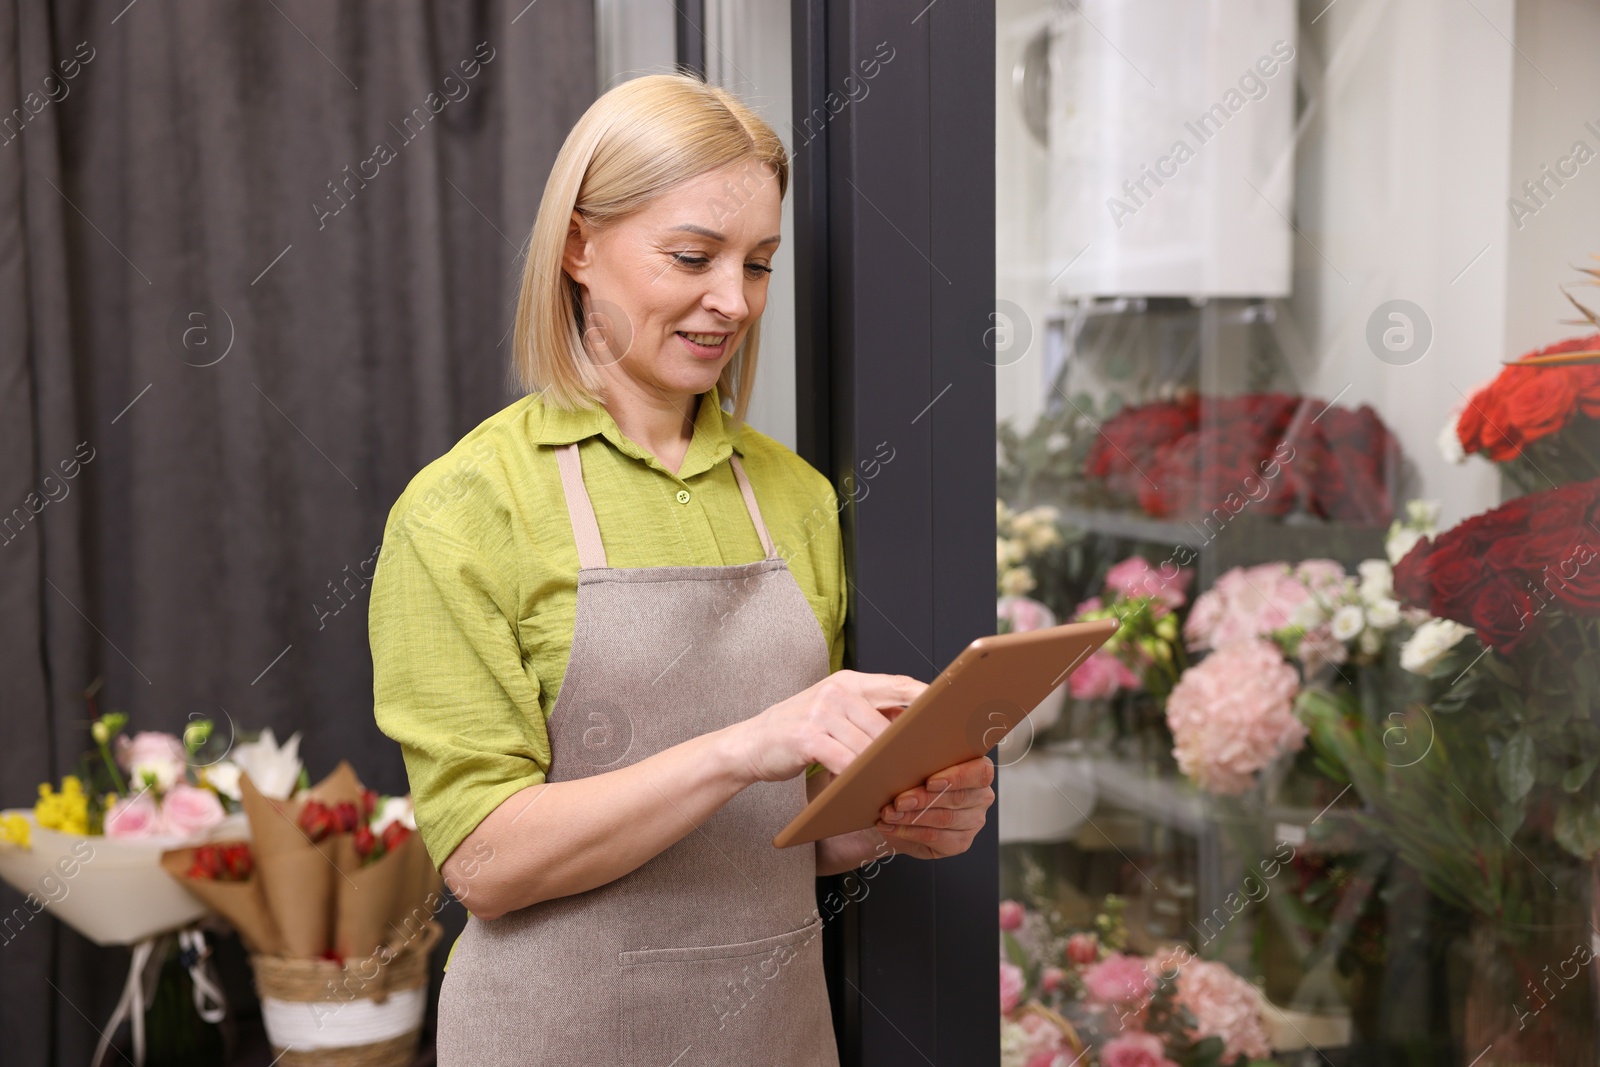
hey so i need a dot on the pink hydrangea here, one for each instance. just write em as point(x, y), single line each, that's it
point(1101, 675)
point(1254, 601)
point(1232, 714)
point(1134, 577)
point(1226, 1006)
point(1135, 1050)
point(1119, 979)
point(1012, 984)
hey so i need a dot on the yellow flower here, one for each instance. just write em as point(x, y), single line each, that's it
point(14, 828)
point(71, 786)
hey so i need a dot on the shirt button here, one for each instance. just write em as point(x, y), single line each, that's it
point(683, 496)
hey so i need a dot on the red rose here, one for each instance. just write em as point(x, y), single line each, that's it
point(393, 835)
point(1541, 401)
point(364, 840)
point(1504, 613)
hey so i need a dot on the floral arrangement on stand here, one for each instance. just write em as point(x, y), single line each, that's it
point(1493, 798)
point(1171, 457)
point(1070, 997)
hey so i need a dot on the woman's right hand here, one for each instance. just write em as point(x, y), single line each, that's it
point(829, 723)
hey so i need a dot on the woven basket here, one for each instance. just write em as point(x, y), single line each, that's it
point(366, 1013)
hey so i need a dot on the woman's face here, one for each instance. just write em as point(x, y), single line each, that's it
point(671, 290)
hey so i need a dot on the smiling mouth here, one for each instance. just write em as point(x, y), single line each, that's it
point(705, 345)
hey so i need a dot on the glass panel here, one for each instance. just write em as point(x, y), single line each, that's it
point(1330, 794)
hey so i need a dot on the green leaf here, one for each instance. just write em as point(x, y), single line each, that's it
point(1574, 779)
point(1577, 828)
point(1014, 951)
point(1515, 770)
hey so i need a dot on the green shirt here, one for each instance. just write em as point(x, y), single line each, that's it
point(475, 591)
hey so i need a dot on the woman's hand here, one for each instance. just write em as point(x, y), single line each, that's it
point(941, 817)
point(828, 723)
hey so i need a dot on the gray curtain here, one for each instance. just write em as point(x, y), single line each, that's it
point(232, 327)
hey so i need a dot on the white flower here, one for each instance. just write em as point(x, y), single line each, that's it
point(1383, 613)
point(1423, 514)
point(1450, 441)
point(272, 769)
point(1016, 581)
point(1402, 539)
point(1308, 615)
point(1371, 641)
point(394, 810)
point(1428, 645)
point(1377, 580)
point(1348, 621)
point(223, 776)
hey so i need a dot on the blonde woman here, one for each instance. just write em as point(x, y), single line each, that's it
point(606, 631)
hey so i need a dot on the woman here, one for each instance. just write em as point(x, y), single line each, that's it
point(606, 631)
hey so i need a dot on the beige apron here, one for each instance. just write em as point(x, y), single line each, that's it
point(710, 953)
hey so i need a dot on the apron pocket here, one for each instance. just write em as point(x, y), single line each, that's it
point(720, 1004)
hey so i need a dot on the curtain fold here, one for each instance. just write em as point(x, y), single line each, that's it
point(257, 265)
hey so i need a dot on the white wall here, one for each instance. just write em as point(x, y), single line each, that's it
point(1559, 39)
point(747, 51)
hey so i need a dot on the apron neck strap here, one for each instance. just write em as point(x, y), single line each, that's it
point(586, 530)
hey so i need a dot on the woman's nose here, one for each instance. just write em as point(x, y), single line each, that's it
point(726, 295)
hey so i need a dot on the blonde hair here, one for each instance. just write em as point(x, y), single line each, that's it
point(634, 143)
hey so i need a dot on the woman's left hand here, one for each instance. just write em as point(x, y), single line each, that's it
point(941, 817)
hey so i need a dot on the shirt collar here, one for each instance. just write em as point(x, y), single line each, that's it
point(711, 444)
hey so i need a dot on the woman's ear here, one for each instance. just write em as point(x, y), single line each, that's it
point(579, 252)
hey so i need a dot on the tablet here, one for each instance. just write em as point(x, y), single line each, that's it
point(984, 693)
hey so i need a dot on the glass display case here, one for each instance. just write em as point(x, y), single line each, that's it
point(1329, 796)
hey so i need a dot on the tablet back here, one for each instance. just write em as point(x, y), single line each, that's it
point(984, 693)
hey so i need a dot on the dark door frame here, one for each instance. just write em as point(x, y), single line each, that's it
point(895, 280)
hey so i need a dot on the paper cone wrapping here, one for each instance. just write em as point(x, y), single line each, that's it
point(297, 876)
point(366, 899)
point(420, 887)
point(242, 904)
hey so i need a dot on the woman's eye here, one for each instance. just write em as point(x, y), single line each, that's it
point(756, 270)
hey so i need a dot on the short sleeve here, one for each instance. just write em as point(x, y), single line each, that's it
point(449, 681)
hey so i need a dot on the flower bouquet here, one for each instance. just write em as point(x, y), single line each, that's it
point(335, 895)
point(1081, 997)
point(90, 848)
point(1333, 463)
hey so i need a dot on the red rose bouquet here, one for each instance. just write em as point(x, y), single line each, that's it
point(1272, 452)
point(1537, 418)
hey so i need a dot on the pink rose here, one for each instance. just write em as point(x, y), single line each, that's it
point(1135, 1050)
point(190, 811)
point(1011, 986)
point(1043, 1041)
point(1083, 949)
point(1101, 675)
point(1010, 915)
point(134, 816)
point(1134, 577)
point(1226, 1006)
point(161, 756)
point(1052, 979)
point(1119, 979)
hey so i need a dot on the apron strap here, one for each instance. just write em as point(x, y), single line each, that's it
point(749, 495)
point(586, 530)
